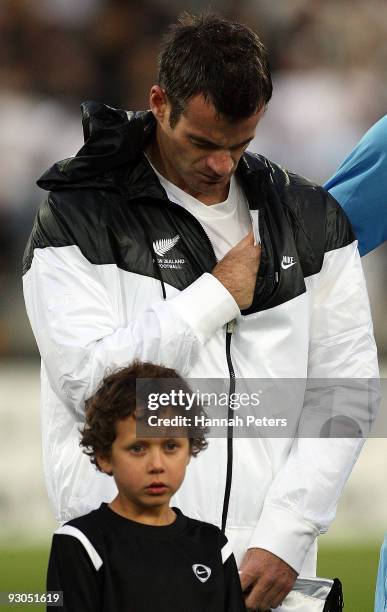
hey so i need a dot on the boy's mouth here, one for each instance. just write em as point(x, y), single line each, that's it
point(157, 488)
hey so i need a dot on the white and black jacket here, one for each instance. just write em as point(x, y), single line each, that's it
point(96, 298)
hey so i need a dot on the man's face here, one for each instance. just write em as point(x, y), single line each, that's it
point(201, 152)
point(147, 471)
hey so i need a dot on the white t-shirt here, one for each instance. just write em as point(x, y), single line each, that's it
point(225, 223)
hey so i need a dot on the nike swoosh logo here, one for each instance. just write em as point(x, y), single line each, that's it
point(202, 572)
point(289, 265)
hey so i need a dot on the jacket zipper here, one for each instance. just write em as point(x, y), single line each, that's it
point(274, 253)
point(230, 328)
point(229, 332)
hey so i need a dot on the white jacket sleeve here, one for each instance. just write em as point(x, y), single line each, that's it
point(78, 333)
point(302, 500)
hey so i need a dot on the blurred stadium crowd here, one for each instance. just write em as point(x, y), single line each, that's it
point(329, 60)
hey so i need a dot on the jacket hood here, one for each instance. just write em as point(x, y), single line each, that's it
point(112, 137)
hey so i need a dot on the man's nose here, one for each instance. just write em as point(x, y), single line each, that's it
point(220, 164)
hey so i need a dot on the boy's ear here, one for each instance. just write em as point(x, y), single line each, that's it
point(104, 464)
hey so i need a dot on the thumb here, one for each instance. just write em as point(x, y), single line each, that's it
point(248, 240)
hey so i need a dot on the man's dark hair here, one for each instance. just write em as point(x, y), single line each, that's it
point(224, 61)
point(124, 393)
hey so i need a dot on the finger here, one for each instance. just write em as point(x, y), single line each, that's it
point(258, 596)
point(273, 597)
point(246, 579)
point(280, 596)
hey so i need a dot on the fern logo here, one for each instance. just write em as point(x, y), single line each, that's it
point(161, 247)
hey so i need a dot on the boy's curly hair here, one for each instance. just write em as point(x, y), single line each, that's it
point(118, 397)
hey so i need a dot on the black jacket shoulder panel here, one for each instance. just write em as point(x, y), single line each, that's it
point(67, 218)
point(112, 229)
point(309, 210)
point(46, 231)
point(338, 228)
point(106, 228)
point(313, 207)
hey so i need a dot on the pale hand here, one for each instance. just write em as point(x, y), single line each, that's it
point(237, 271)
point(265, 579)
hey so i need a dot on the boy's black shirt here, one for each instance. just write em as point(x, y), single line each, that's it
point(132, 567)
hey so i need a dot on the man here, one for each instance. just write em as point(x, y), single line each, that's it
point(147, 247)
point(360, 186)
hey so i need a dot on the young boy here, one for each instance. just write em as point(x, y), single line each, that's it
point(137, 554)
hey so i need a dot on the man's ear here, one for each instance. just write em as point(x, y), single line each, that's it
point(158, 103)
point(104, 464)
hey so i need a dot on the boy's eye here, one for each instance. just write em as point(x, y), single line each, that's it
point(171, 445)
point(137, 448)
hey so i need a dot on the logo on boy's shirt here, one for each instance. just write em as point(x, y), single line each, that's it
point(202, 572)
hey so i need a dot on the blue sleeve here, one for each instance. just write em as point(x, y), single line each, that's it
point(381, 584)
point(360, 186)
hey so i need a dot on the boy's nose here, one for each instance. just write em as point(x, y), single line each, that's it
point(155, 464)
point(156, 469)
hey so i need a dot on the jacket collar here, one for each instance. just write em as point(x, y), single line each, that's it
point(113, 143)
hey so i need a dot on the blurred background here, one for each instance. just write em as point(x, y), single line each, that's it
point(329, 62)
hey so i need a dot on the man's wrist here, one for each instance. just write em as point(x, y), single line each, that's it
point(285, 534)
point(206, 305)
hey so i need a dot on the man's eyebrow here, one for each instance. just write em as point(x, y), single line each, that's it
point(214, 145)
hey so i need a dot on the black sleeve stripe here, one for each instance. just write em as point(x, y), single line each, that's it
point(79, 535)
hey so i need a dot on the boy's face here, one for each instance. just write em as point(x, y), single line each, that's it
point(147, 471)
